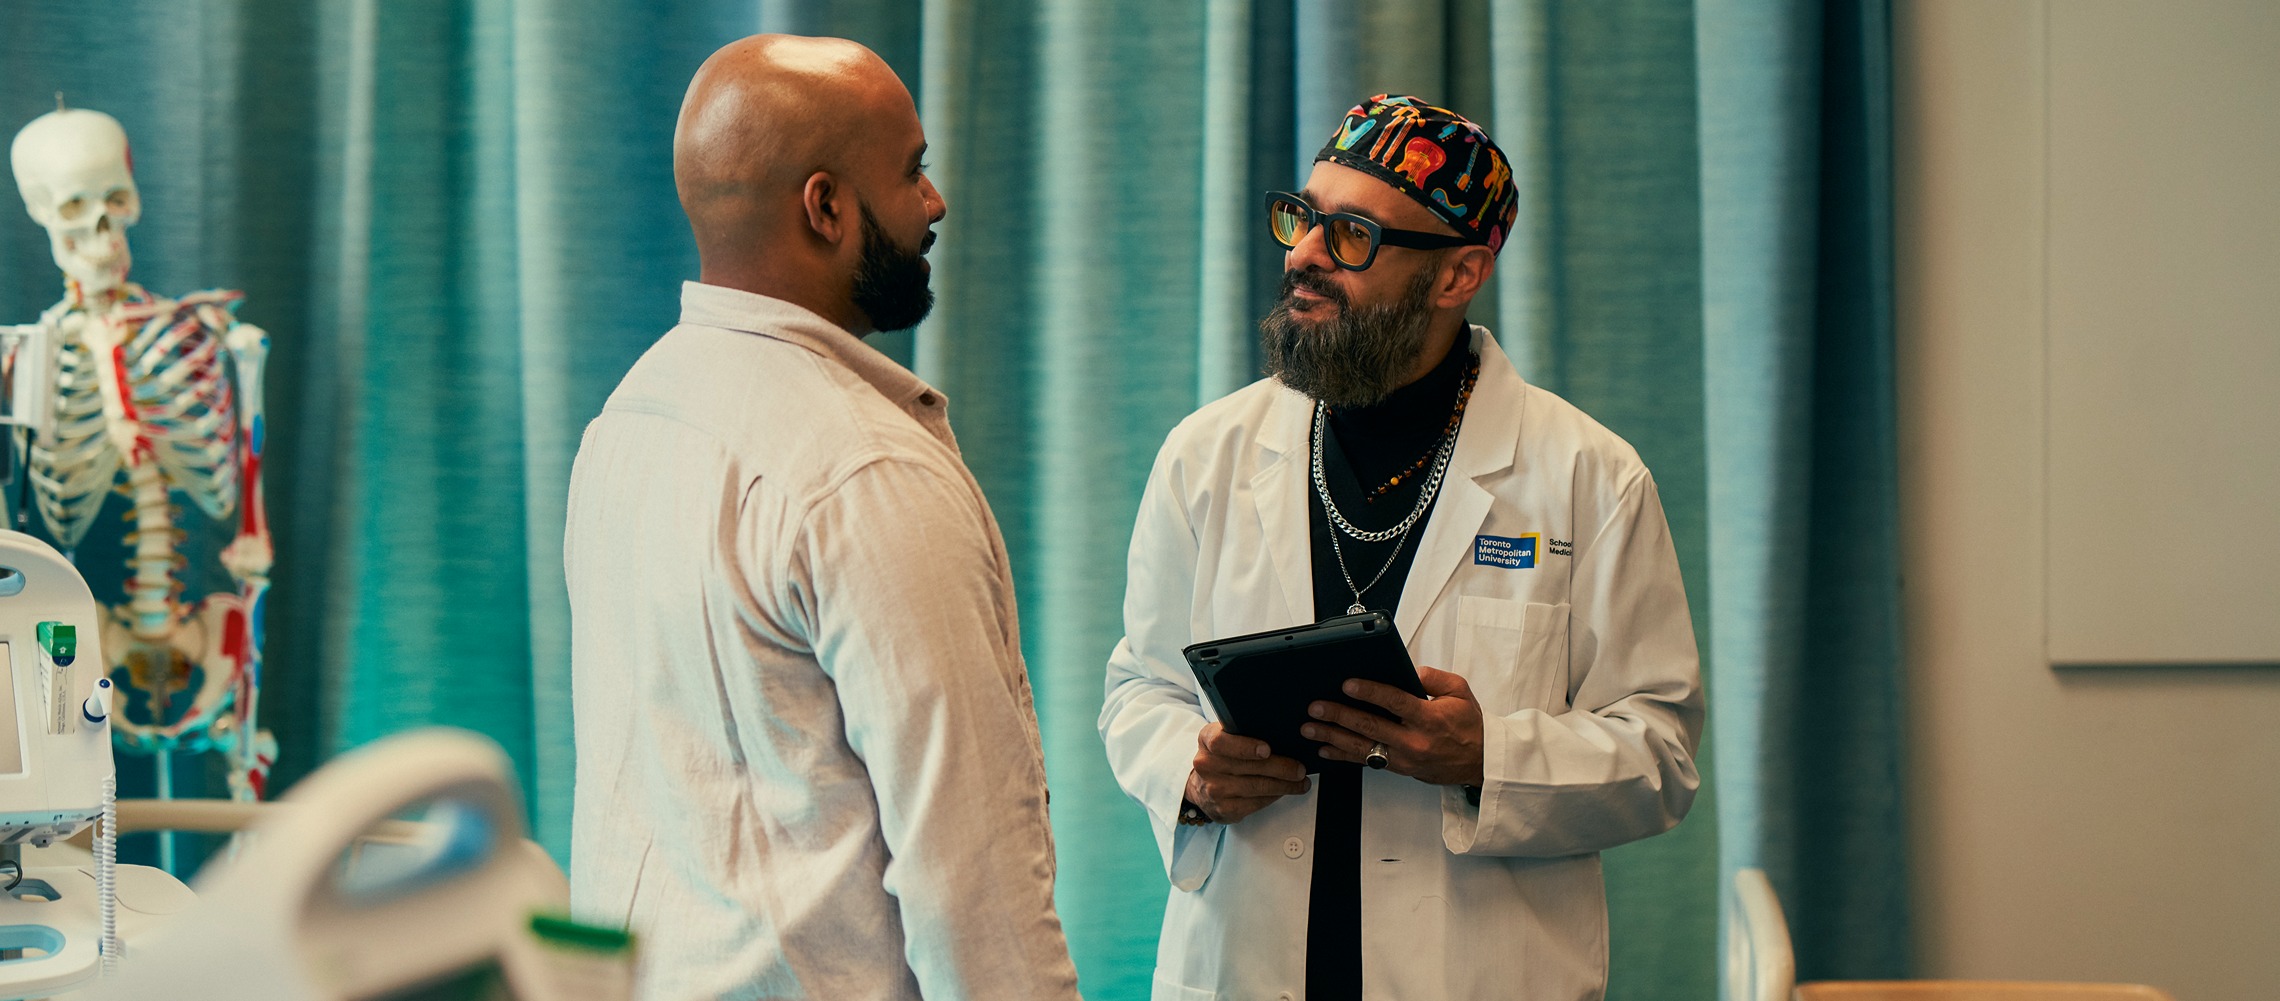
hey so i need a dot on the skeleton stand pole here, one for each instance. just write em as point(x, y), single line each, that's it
point(164, 761)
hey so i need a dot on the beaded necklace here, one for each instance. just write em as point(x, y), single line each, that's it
point(1464, 394)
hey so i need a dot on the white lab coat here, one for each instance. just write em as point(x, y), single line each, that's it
point(1584, 664)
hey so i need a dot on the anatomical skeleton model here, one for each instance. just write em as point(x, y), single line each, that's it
point(164, 394)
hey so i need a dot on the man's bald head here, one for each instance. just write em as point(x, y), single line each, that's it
point(778, 142)
point(759, 118)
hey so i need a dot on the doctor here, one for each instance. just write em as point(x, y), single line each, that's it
point(1396, 461)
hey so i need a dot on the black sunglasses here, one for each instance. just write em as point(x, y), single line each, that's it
point(1352, 240)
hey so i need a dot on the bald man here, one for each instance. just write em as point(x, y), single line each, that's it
point(808, 762)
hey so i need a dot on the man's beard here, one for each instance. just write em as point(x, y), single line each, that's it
point(890, 281)
point(1354, 358)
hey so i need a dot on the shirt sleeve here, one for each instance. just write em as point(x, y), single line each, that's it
point(909, 616)
point(1152, 711)
point(1619, 765)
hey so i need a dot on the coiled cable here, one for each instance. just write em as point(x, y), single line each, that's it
point(106, 865)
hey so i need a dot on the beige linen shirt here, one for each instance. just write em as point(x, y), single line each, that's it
point(808, 761)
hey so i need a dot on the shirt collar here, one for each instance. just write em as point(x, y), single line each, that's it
point(750, 312)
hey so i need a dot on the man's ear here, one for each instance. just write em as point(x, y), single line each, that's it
point(1467, 269)
point(820, 198)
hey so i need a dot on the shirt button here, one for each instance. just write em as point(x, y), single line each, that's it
point(1285, 996)
point(926, 399)
point(1293, 848)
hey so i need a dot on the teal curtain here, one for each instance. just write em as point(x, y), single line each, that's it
point(1804, 556)
point(456, 219)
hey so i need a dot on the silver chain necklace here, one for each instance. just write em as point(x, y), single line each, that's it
point(1424, 496)
point(1399, 533)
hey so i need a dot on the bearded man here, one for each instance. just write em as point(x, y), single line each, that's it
point(1395, 461)
point(808, 762)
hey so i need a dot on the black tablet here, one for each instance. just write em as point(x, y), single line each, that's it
point(1261, 684)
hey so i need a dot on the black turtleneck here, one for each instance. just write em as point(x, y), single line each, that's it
point(1365, 447)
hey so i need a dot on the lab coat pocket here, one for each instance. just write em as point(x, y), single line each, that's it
point(1514, 654)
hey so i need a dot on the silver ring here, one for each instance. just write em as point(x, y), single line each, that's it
point(1376, 757)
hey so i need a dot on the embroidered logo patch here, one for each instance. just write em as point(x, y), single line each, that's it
point(1509, 553)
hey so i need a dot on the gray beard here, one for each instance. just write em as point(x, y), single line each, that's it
point(1355, 358)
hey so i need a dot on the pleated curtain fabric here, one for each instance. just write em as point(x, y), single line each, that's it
point(457, 221)
point(1804, 553)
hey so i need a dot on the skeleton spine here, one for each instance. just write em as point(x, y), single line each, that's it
point(153, 563)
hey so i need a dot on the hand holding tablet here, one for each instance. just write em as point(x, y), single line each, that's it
point(1262, 684)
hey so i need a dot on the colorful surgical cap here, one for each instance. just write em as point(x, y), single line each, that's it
point(1433, 155)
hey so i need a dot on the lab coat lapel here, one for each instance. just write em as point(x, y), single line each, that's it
point(1279, 489)
point(1486, 444)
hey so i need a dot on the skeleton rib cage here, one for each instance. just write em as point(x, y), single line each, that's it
point(178, 390)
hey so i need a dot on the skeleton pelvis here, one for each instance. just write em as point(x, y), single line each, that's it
point(178, 689)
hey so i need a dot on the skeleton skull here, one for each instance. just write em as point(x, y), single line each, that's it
point(77, 179)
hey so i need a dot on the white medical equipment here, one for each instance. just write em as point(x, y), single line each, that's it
point(398, 872)
point(59, 924)
point(118, 386)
